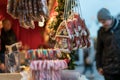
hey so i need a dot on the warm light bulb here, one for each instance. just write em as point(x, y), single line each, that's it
point(41, 24)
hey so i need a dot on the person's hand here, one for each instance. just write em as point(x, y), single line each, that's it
point(100, 70)
point(88, 61)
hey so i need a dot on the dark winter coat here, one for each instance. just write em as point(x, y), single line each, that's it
point(7, 38)
point(108, 49)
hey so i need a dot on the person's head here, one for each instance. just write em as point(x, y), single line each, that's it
point(6, 24)
point(104, 17)
point(1, 19)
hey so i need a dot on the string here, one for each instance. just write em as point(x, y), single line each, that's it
point(70, 7)
point(80, 9)
point(74, 6)
point(65, 10)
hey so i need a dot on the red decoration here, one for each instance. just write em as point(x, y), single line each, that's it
point(30, 37)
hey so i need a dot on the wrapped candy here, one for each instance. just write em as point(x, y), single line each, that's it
point(47, 69)
point(15, 9)
point(70, 28)
point(28, 11)
point(76, 43)
point(63, 44)
point(45, 10)
point(72, 34)
point(62, 30)
point(10, 6)
point(43, 54)
point(63, 36)
point(12, 57)
point(77, 28)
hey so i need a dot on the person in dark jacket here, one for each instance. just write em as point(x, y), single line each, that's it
point(8, 37)
point(108, 46)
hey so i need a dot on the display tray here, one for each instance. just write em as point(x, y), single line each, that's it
point(10, 76)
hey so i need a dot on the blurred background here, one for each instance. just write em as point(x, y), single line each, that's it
point(89, 9)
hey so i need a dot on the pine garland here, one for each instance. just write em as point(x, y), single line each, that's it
point(54, 26)
point(59, 18)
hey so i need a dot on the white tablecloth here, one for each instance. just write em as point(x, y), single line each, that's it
point(72, 75)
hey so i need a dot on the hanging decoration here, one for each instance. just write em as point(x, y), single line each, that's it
point(55, 22)
point(73, 31)
point(62, 37)
point(28, 11)
point(53, 26)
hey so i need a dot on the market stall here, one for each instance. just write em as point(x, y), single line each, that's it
point(31, 18)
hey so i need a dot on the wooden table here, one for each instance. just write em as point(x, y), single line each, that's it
point(10, 76)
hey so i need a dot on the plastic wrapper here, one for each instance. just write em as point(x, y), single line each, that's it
point(12, 62)
point(76, 43)
point(43, 54)
point(47, 69)
point(70, 27)
point(72, 34)
point(15, 9)
point(64, 44)
point(10, 6)
point(12, 57)
point(45, 12)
